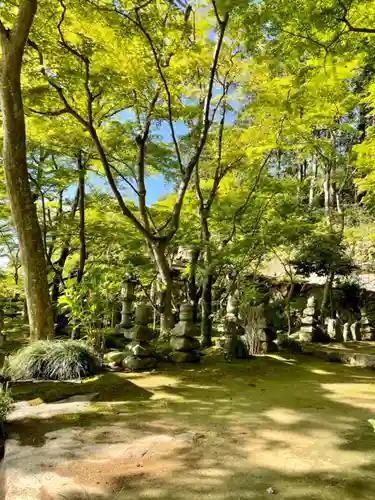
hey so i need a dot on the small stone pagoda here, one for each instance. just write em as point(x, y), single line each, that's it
point(307, 329)
point(367, 332)
point(139, 352)
point(183, 341)
point(127, 299)
point(230, 328)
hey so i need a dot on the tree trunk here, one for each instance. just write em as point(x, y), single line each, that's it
point(287, 306)
point(16, 176)
point(206, 300)
point(192, 291)
point(326, 296)
point(166, 316)
point(59, 266)
point(206, 305)
point(327, 195)
point(82, 237)
point(312, 183)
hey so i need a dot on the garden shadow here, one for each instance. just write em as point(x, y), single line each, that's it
point(296, 424)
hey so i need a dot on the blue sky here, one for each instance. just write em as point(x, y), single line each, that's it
point(156, 185)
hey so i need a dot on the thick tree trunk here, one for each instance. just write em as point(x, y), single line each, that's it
point(166, 317)
point(326, 296)
point(16, 176)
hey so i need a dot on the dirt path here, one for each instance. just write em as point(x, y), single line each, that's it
point(219, 431)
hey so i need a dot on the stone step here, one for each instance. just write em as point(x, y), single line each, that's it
point(353, 358)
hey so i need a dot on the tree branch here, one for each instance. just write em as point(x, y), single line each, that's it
point(204, 132)
point(142, 141)
point(248, 197)
point(21, 28)
point(344, 19)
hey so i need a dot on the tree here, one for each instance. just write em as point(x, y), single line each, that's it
point(157, 90)
point(325, 255)
point(13, 42)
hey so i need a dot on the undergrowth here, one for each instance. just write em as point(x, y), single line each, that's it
point(54, 360)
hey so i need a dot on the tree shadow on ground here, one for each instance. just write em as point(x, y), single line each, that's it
point(293, 423)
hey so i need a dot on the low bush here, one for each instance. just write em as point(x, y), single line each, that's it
point(54, 360)
point(6, 402)
point(286, 343)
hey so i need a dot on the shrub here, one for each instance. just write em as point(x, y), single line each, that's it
point(6, 402)
point(54, 360)
point(286, 343)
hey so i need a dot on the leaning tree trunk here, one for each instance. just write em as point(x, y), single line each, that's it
point(16, 176)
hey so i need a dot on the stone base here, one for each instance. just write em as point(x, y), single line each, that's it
point(305, 336)
point(184, 344)
point(185, 329)
point(220, 342)
point(114, 367)
point(140, 333)
point(348, 357)
point(140, 349)
point(367, 334)
point(121, 330)
point(184, 357)
point(137, 363)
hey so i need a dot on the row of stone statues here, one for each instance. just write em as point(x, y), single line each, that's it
point(335, 328)
point(139, 352)
point(239, 337)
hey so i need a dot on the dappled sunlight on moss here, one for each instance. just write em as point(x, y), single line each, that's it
point(300, 427)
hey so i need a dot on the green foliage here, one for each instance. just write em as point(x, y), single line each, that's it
point(348, 294)
point(6, 402)
point(287, 344)
point(54, 360)
point(322, 254)
point(89, 300)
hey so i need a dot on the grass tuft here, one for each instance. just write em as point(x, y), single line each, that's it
point(54, 360)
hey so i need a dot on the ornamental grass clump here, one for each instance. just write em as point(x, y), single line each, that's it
point(54, 360)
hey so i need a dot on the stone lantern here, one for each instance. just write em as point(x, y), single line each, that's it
point(127, 299)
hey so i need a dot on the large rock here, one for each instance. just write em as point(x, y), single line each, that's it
point(184, 357)
point(184, 343)
point(140, 349)
point(114, 357)
point(136, 363)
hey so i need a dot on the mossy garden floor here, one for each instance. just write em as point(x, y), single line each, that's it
point(221, 431)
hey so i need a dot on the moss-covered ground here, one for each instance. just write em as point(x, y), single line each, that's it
point(293, 423)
